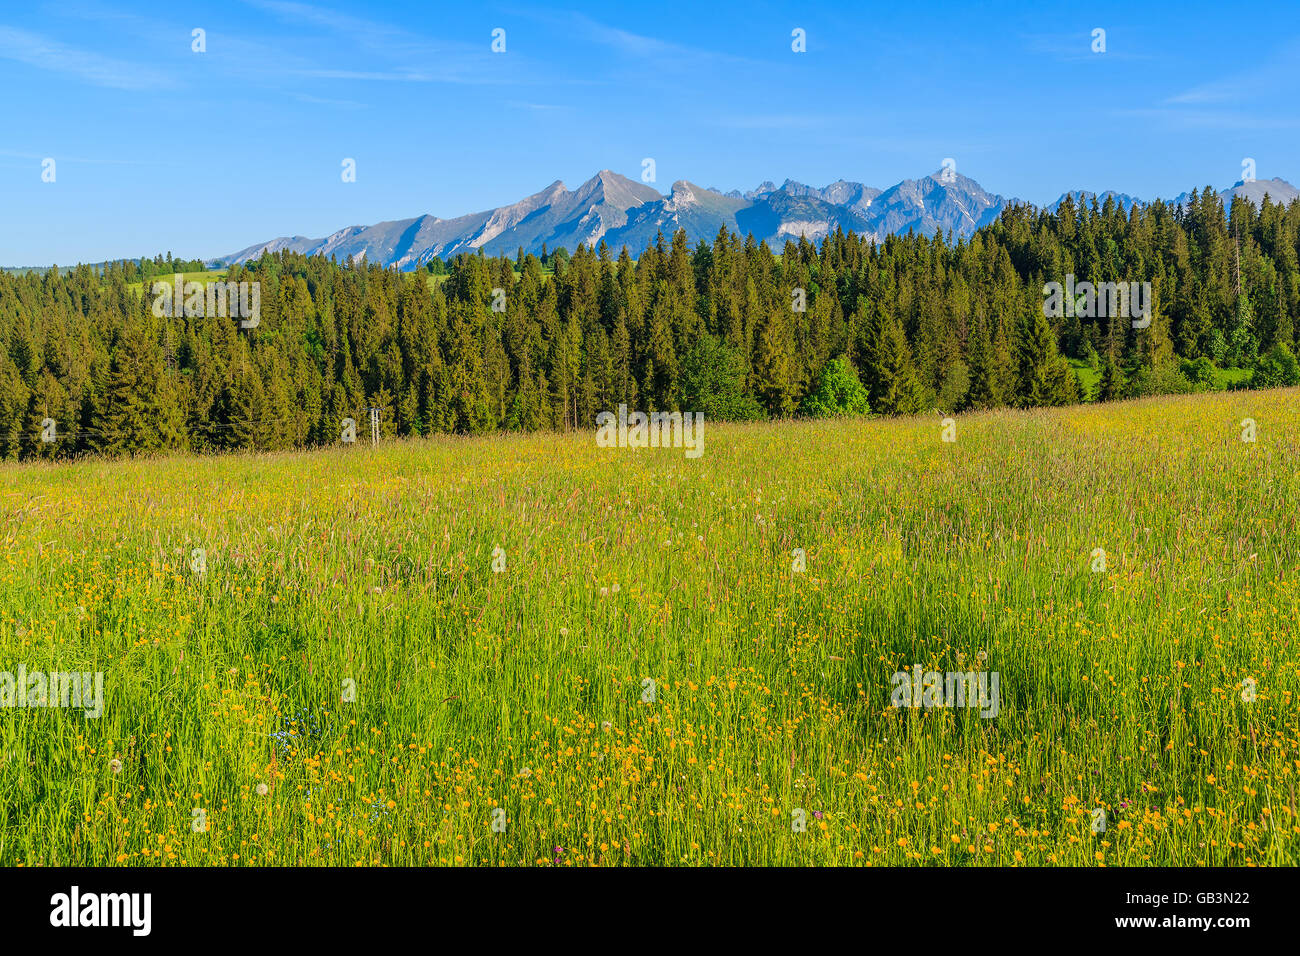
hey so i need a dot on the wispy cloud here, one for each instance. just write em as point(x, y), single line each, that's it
point(365, 33)
point(37, 157)
point(43, 53)
point(780, 121)
point(540, 107)
point(1208, 93)
point(1247, 100)
point(1276, 79)
point(450, 75)
point(663, 54)
point(394, 54)
point(1077, 47)
point(1176, 117)
point(323, 101)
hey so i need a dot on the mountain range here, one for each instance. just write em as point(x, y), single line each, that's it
point(624, 212)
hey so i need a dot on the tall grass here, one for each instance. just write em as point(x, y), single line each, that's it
point(527, 690)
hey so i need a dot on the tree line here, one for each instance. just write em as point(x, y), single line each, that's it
point(730, 328)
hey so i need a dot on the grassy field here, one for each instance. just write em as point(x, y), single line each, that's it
point(647, 679)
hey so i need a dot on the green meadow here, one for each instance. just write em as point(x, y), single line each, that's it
point(526, 649)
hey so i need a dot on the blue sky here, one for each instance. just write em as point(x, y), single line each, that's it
point(159, 148)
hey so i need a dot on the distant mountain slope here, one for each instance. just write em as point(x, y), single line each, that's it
point(1084, 197)
point(1278, 191)
point(623, 212)
point(931, 204)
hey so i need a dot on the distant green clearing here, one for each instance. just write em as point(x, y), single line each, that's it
point(207, 275)
point(1088, 378)
point(1232, 376)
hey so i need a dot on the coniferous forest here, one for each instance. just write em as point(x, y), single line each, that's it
point(920, 322)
